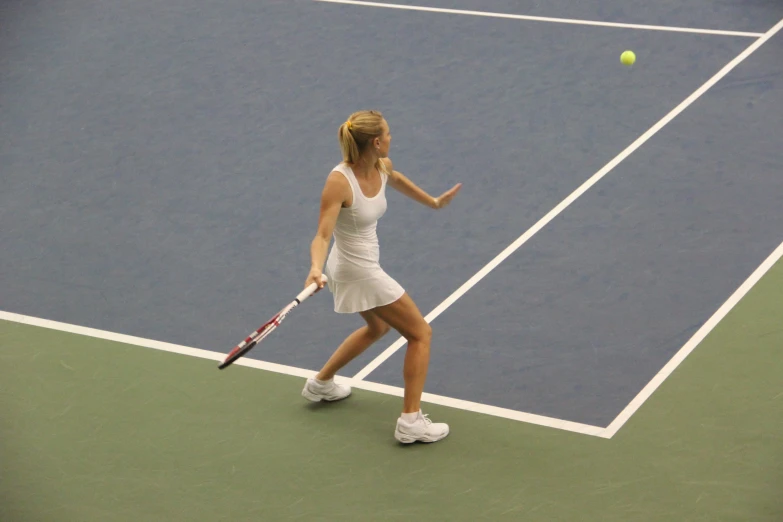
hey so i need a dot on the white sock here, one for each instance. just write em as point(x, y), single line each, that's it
point(410, 418)
point(322, 383)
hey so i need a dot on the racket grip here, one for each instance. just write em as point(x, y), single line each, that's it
point(310, 290)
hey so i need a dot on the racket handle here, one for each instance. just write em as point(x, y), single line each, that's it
point(310, 290)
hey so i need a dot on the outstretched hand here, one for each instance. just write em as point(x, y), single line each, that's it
point(445, 198)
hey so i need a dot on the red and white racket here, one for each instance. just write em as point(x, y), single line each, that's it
point(260, 334)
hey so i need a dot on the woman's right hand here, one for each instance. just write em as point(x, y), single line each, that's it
point(315, 276)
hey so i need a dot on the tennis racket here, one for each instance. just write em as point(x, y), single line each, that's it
point(260, 334)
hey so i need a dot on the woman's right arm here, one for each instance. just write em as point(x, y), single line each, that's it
point(336, 192)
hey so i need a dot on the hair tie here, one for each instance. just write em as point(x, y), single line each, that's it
point(348, 123)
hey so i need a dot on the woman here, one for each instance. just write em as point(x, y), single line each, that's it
point(353, 199)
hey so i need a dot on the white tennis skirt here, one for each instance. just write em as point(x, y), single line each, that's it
point(365, 294)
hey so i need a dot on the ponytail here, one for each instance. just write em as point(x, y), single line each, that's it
point(356, 134)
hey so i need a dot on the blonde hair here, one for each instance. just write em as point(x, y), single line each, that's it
point(356, 134)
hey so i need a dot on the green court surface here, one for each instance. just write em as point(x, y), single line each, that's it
point(101, 431)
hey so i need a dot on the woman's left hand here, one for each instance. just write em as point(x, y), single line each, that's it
point(444, 199)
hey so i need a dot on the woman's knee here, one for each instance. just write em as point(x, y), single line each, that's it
point(378, 330)
point(376, 327)
point(404, 316)
point(421, 332)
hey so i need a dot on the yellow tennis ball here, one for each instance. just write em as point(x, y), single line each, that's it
point(628, 58)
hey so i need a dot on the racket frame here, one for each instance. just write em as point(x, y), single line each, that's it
point(262, 332)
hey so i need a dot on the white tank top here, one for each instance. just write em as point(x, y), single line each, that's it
point(356, 252)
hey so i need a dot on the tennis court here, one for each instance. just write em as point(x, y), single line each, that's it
point(604, 291)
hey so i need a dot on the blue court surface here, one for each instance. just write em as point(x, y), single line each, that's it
point(162, 166)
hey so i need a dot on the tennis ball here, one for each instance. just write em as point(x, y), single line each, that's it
point(628, 58)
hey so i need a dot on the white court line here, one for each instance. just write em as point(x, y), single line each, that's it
point(462, 290)
point(547, 19)
point(692, 343)
point(540, 420)
point(530, 418)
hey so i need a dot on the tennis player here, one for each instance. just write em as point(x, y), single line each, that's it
point(352, 201)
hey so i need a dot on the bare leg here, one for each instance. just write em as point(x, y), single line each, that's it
point(405, 317)
point(354, 345)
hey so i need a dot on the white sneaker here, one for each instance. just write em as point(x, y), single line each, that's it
point(422, 429)
point(331, 391)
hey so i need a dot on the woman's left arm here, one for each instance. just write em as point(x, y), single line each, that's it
point(399, 182)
